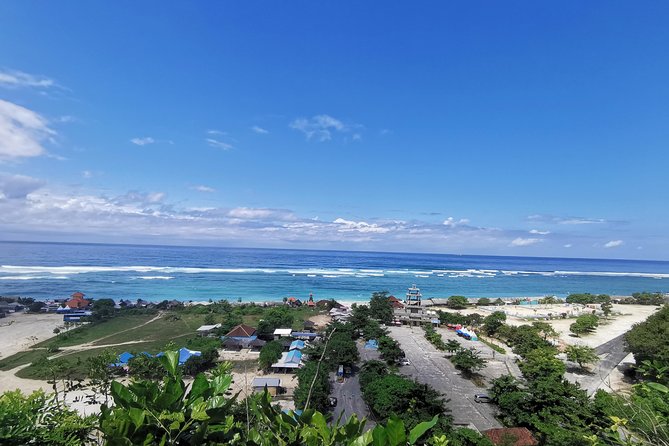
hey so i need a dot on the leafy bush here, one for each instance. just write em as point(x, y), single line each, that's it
point(38, 419)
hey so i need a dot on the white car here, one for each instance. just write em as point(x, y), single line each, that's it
point(405, 362)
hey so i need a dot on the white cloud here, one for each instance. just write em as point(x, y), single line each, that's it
point(18, 186)
point(519, 241)
point(143, 141)
point(259, 130)
point(203, 188)
point(87, 174)
point(16, 79)
point(356, 137)
point(319, 127)
point(216, 132)
point(245, 213)
point(219, 144)
point(22, 132)
point(566, 220)
point(613, 243)
point(359, 226)
point(538, 232)
point(568, 245)
point(452, 222)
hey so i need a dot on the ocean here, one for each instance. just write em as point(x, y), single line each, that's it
point(56, 270)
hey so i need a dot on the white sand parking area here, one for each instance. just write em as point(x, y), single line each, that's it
point(18, 331)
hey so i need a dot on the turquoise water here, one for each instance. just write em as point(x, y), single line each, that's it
point(48, 270)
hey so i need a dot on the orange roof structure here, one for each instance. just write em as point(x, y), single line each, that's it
point(77, 303)
point(241, 331)
point(77, 295)
point(515, 436)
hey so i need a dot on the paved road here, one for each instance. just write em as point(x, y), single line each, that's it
point(612, 354)
point(430, 366)
point(349, 395)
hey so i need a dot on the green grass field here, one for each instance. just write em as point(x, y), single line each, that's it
point(89, 333)
point(20, 358)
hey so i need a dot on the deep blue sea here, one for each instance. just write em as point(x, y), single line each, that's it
point(50, 270)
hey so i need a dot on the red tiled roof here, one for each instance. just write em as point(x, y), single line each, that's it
point(522, 436)
point(77, 295)
point(393, 299)
point(241, 331)
point(77, 303)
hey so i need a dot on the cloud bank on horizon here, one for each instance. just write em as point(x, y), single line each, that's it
point(361, 142)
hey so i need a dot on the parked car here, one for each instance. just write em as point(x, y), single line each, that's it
point(405, 362)
point(332, 401)
point(482, 398)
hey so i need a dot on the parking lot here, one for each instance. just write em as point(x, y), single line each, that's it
point(430, 366)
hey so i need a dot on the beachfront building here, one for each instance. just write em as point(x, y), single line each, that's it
point(77, 301)
point(413, 313)
point(273, 385)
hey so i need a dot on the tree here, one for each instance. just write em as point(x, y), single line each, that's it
point(342, 349)
point(319, 392)
point(649, 340)
point(493, 322)
point(468, 361)
point(549, 300)
point(545, 330)
point(457, 302)
point(483, 302)
point(390, 350)
point(279, 317)
point(380, 307)
point(36, 307)
point(585, 324)
point(360, 316)
point(371, 371)
point(499, 302)
point(607, 307)
point(646, 298)
point(100, 373)
point(209, 319)
point(587, 298)
point(582, 355)
point(102, 309)
point(452, 346)
point(541, 363)
point(269, 354)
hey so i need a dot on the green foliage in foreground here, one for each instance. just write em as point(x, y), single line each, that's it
point(170, 412)
point(39, 419)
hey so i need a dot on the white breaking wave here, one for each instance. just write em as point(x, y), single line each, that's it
point(18, 272)
point(33, 277)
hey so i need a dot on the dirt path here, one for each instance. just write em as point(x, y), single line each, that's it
point(97, 341)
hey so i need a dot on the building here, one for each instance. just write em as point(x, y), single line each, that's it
point(282, 332)
point(77, 301)
point(289, 362)
point(513, 436)
point(413, 313)
point(207, 330)
point(395, 302)
point(273, 385)
point(297, 345)
point(239, 337)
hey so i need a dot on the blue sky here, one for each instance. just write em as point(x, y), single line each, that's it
point(515, 128)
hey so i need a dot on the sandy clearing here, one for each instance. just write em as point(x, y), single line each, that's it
point(17, 336)
point(624, 317)
point(321, 320)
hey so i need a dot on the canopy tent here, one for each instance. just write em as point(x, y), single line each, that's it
point(372, 344)
point(185, 355)
point(123, 359)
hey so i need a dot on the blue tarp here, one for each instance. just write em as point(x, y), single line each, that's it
point(185, 355)
point(372, 344)
point(123, 359)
